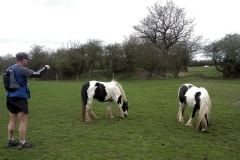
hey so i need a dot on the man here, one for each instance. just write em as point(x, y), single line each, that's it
point(17, 102)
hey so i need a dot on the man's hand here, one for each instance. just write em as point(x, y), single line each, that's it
point(48, 67)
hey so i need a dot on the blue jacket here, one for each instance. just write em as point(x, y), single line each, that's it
point(23, 91)
point(21, 74)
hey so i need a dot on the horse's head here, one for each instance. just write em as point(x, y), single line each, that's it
point(125, 108)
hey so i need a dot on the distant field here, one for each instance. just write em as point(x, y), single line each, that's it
point(151, 131)
point(202, 72)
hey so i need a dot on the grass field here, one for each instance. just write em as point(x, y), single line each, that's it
point(151, 131)
point(202, 72)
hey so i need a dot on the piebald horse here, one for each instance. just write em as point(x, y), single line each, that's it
point(196, 98)
point(103, 92)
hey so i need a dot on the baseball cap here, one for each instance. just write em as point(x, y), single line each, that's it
point(21, 55)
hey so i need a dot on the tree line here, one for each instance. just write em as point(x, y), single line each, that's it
point(163, 43)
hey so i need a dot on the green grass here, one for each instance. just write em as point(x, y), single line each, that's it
point(151, 131)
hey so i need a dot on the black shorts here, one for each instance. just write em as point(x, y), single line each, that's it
point(16, 105)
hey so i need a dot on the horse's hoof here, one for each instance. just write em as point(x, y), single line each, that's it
point(110, 117)
point(190, 125)
point(95, 117)
point(180, 120)
point(88, 119)
point(81, 119)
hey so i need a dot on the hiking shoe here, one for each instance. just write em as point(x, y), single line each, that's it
point(12, 143)
point(25, 145)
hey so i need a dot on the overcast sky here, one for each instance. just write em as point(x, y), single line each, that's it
point(54, 23)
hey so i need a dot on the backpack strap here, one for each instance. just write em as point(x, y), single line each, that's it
point(13, 67)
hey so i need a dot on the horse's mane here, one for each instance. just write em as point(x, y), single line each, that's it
point(121, 90)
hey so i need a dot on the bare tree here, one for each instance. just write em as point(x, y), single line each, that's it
point(1, 64)
point(149, 58)
point(6, 61)
point(181, 54)
point(130, 48)
point(225, 54)
point(164, 26)
point(70, 60)
point(94, 52)
point(114, 54)
point(38, 55)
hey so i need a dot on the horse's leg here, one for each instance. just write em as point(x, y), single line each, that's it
point(87, 118)
point(92, 114)
point(181, 110)
point(189, 123)
point(109, 112)
point(120, 111)
point(89, 115)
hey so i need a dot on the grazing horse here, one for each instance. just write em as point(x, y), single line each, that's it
point(196, 98)
point(103, 92)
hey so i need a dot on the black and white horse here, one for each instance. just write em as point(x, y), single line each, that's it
point(103, 92)
point(196, 98)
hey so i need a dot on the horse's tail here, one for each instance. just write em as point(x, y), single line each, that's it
point(204, 113)
point(84, 98)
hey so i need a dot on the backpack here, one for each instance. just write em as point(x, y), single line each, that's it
point(9, 80)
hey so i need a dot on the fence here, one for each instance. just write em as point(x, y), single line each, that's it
point(141, 75)
point(95, 75)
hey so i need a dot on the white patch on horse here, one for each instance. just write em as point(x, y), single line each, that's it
point(190, 96)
